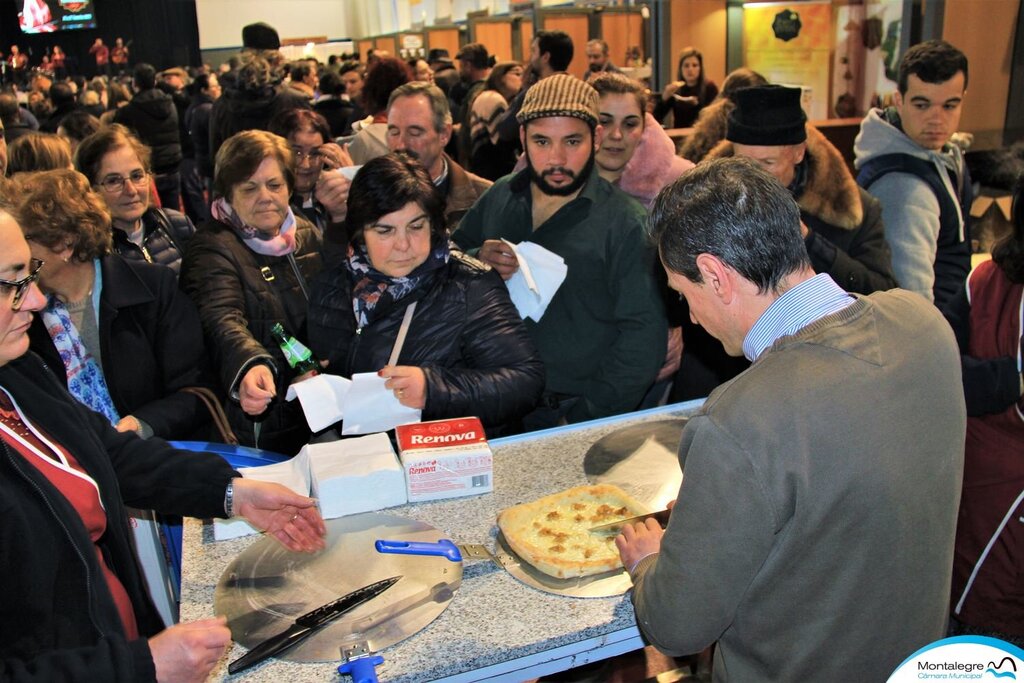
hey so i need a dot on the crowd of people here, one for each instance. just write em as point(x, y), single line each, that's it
point(155, 228)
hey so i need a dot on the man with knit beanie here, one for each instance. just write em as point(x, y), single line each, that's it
point(603, 335)
point(841, 224)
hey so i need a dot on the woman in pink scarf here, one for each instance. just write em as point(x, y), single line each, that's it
point(246, 269)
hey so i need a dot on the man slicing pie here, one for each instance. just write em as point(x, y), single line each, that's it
point(813, 535)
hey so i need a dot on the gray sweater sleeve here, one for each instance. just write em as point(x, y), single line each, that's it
point(716, 542)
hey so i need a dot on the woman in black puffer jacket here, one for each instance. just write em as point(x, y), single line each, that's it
point(246, 269)
point(118, 166)
point(467, 351)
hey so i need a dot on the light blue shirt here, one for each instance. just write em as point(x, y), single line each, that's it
point(809, 301)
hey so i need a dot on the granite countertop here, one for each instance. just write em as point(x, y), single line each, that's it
point(493, 618)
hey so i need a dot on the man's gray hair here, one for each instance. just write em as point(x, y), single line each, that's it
point(733, 209)
point(442, 114)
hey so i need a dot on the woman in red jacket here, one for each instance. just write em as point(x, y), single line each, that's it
point(987, 318)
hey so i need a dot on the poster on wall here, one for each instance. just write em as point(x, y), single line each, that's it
point(790, 44)
point(867, 39)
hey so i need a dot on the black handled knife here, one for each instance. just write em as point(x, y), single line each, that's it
point(309, 623)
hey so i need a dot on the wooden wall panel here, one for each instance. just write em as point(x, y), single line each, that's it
point(621, 30)
point(496, 36)
point(525, 38)
point(576, 25)
point(389, 43)
point(364, 46)
point(988, 44)
point(700, 23)
point(446, 38)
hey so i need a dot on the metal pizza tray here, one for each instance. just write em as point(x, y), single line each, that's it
point(604, 585)
point(641, 459)
point(267, 586)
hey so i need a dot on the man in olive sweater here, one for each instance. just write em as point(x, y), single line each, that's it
point(603, 335)
point(813, 533)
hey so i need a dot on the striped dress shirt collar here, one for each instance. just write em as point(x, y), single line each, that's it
point(809, 301)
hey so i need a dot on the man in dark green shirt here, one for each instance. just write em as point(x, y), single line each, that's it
point(603, 335)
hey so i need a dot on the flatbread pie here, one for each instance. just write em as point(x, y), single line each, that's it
point(553, 532)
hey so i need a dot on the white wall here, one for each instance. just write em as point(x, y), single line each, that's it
point(221, 21)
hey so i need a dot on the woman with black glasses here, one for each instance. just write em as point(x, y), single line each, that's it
point(117, 165)
point(75, 605)
point(320, 190)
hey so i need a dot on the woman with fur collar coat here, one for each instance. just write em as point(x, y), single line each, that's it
point(845, 235)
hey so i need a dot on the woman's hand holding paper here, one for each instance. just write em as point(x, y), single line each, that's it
point(409, 384)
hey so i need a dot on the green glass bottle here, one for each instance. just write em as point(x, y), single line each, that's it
point(295, 352)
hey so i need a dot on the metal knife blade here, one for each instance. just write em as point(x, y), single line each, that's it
point(661, 515)
point(309, 623)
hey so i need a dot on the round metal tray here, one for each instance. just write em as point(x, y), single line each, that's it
point(642, 459)
point(266, 587)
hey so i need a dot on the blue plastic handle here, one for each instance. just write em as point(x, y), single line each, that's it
point(362, 669)
point(443, 548)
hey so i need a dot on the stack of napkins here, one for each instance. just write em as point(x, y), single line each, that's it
point(347, 477)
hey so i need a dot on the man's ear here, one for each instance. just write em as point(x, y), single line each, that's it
point(522, 135)
point(799, 153)
point(598, 136)
point(446, 134)
point(718, 277)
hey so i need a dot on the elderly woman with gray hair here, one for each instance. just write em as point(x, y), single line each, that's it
point(247, 269)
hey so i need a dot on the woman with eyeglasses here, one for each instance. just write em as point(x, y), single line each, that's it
point(75, 606)
point(117, 165)
point(119, 334)
point(320, 190)
point(246, 269)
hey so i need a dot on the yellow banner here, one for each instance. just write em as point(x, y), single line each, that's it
point(790, 44)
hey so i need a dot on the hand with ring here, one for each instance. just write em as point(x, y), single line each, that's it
point(408, 382)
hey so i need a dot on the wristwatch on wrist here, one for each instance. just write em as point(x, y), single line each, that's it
point(229, 499)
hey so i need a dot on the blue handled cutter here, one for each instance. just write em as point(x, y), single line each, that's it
point(456, 552)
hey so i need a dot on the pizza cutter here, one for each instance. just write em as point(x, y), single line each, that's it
point(598, 586)
point(455, 552)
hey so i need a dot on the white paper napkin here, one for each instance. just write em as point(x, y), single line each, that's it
point(369, 407)
point(356, 475)
point(532, 287)
point(321, 398)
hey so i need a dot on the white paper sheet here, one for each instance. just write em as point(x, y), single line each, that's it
point(535, 283)
point(349, 171)
point(321, 398)
point(369, 407)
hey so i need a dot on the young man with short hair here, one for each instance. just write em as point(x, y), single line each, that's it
point(905, 158)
